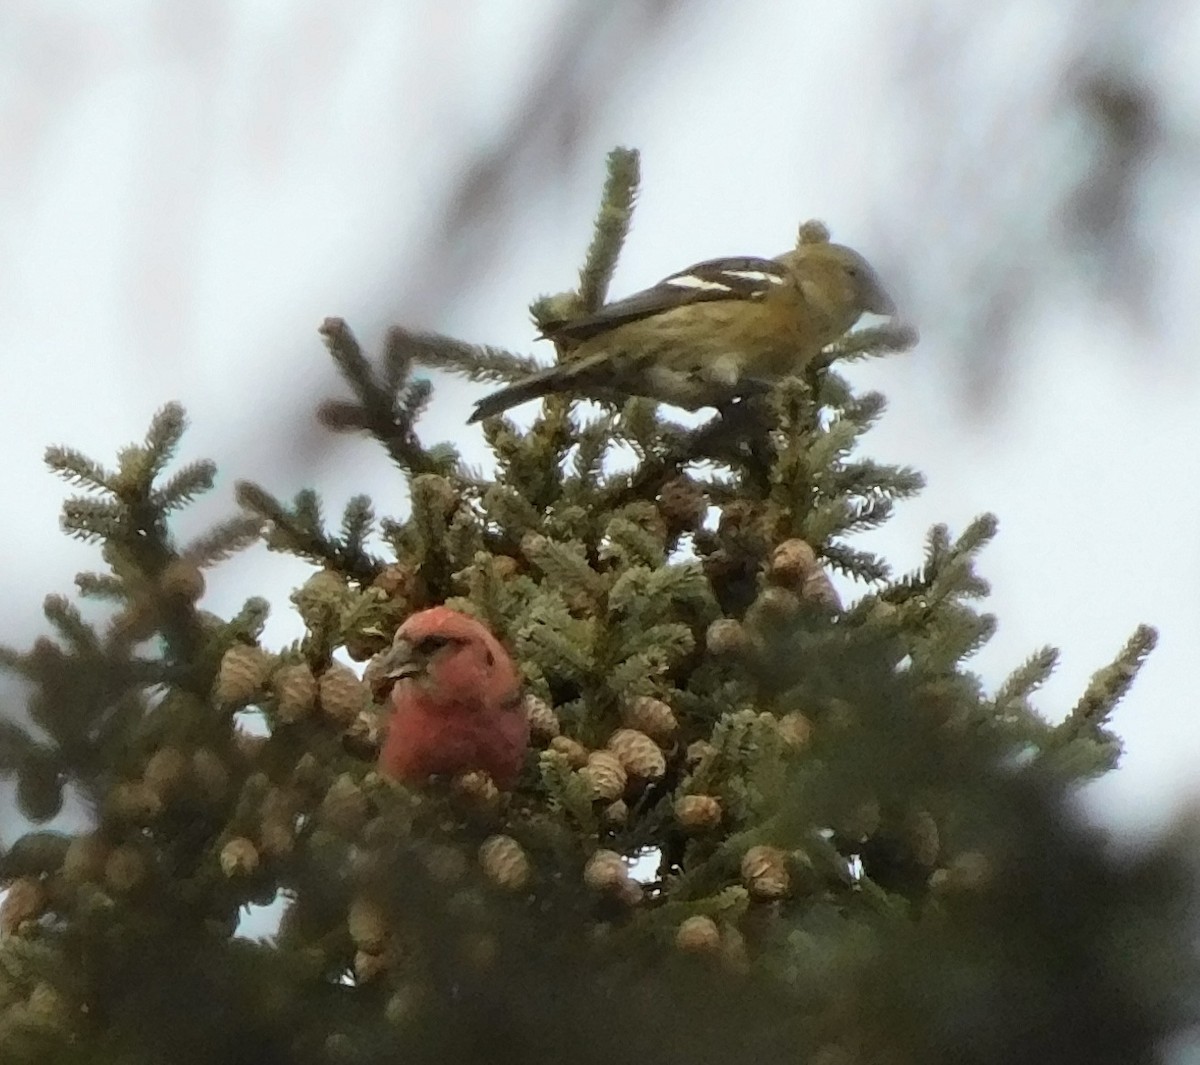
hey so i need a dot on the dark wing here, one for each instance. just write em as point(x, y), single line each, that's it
point(745, 277)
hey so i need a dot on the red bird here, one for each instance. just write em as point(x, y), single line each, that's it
point(455, 702)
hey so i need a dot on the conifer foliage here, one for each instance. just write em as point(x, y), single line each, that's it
point(847, 850)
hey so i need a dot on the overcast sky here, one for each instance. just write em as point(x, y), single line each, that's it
point(187, 194)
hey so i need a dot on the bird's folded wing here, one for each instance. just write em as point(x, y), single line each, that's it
point(743, 277)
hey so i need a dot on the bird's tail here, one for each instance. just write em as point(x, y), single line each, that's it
point(543, 383)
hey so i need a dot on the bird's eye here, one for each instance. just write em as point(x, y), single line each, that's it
point(428, 644)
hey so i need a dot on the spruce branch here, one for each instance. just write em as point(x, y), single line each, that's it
point(385, 413)
point(76, 468)
point(162, 438)
point(91, 520)
point(224, 539)
point(476, 362)
point(182, 487)
point(611, 227)
point(100, 586)
point(1109, 685)
point(301, 531)
point(1025, 680)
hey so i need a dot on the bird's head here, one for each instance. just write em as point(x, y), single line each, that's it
point(450, 657)
point(871, 295)
point(838, 281)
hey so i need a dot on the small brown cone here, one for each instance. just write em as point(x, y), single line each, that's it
point(295, 692)
point(795, 730)
point(606, 775)
point(573, 751)
point(697, 752)
point(727, 636)
point(248, 745)
point(396, 581)
point(182, 581)
point(698, 935)
point(367, 924)
point(818, 588)
point(133, 802)
point(367, 966)
point(210, 774)
point(921, 831)
point(166, 772)
point(444, 863)
point(791, 562)
point(968, 871)
point(775, 603)
point(345, 808)
point(765, 874)
point(683, 505)
point(640, 756)
point(124, 869)
point(605, 871)
point(84, 860)
point(242, 675)
point(616, 814)
point(505, 863)
point(653, 717)
point(26, 901)
point(342, 695)
point(543, 722)
point(239, 857)
point(476, 792)
point(698, 813)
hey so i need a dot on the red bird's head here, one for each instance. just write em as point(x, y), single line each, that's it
point(454, 702)
point(452, 660)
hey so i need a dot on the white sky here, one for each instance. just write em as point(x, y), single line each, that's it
point(185, 196)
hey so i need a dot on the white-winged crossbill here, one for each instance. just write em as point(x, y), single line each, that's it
point(702, 336)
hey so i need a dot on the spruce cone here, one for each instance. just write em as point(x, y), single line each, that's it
point(638, 753)
point(683, 505)
point(795, 730)
point(133, 802)
point(243, 674)
point(476, 791)
point(368, 966)
point(124, 869)
point(605, 871)
point(444, 863)
point(166, 772)
point(295, 692)
point(239, 857)
point(345, 808)
point(697, 751)
point(368, 925)
point(605, 773)
point(727, 636)
point(653, 717)
point(791, 562)
point(616, 814)
point(575, 752)
point(764, 872)
point(543, 722)
point(182, 581)
point(921, 831)
point(210, 774)
point(698, 935)
point(505, 863)
point(26, 901)
point(342, 695)
point(396, 581)
point(84, 860)
point(698, 813)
